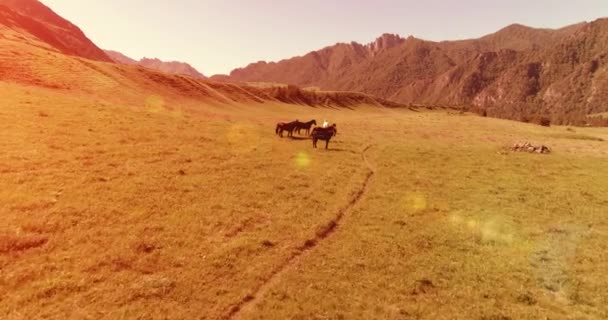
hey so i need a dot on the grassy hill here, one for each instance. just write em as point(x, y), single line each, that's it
point(126, 193)
point(199, 211)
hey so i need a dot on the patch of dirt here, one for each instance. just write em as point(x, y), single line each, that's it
point(20, 243)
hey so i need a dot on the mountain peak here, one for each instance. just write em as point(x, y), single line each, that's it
point(517, 26)
point(149, 60)
point(384, 42)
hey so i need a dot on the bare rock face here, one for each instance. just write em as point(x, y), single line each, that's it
point(531, 148)
point(384, 42)
point(518, 73)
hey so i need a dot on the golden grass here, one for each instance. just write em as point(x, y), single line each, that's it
point(576, 136)
point(164, 210)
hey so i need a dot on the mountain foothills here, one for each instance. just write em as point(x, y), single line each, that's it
point(33, 17)
point(172, 67)
point(39, 48)
point(518, 73)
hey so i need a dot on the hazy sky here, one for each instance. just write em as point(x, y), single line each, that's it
point(218, 36)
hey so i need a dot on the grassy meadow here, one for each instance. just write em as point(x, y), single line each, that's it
point(159, 209)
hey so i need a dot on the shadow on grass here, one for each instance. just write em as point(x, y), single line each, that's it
point(299, 138)
point(338, 150)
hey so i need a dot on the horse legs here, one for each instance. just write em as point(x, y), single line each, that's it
point(327, 144)
point(314, 142)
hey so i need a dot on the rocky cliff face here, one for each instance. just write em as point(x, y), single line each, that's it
point(517, 73)
point(384, 42)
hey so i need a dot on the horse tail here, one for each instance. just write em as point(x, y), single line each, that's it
point(276, 131)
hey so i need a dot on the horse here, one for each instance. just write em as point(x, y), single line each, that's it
point(324, 134)
point(306, 126)
point(289, 127)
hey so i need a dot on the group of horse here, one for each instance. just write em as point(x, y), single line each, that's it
point(318, 133)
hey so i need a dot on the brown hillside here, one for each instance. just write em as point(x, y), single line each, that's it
point(518, 73)
point(34, 42)
point(318, 66)
point(25, 59)
point(36, 19)
point(120, 58)
point(173, 67)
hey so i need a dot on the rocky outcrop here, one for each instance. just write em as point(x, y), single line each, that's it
point(384, 42)
point(531, 148)
point(518, 73)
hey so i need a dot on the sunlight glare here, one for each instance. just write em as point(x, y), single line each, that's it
point(155, 103)
point(415, 201)
point(302, 160)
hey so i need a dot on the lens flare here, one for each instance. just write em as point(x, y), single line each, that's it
point(456, 219)
point(491, 230)
point(155, 103)
point(472, 224)
point(415, 201)
point(302, 160)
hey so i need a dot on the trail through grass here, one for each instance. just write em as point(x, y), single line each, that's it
point(165, 209)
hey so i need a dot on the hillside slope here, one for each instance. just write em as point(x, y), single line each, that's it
point(172, 67)
point(120, 58)
point(129, 193)
point(517, 73)
point(26, 60)
point(38, 20)
point(43, 50)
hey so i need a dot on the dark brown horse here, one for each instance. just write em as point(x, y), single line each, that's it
point(306, 126)
point(286, 126)
point(324, 134)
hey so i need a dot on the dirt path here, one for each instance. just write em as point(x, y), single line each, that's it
point(258, 293)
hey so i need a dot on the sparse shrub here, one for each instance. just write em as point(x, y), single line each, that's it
point(527, 299)
point(15, 243)
point(542, 121)
point(545, 122)
point(267, 243)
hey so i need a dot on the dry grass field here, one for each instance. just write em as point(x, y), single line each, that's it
point(164, 209)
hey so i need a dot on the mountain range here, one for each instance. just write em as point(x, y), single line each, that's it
point(172, 67)
point(518, 73)
point(38, 48)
